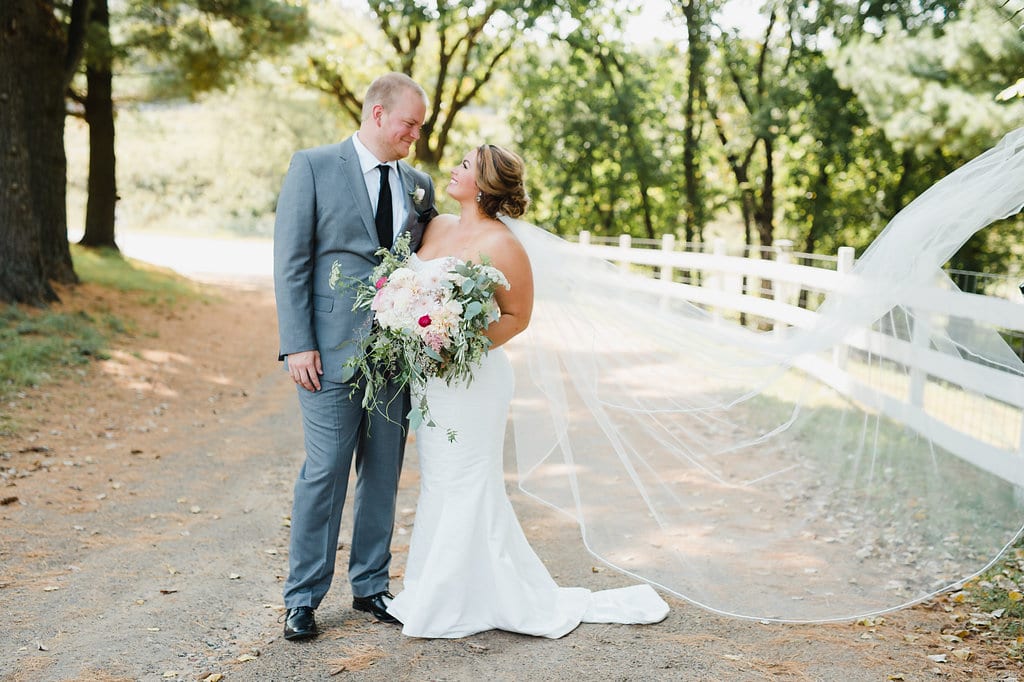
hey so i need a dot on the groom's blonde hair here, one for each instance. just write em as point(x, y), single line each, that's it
point(384, 91)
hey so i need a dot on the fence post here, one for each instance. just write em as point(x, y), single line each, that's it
point(625, 242)
point(920, 338)
point(718, 248)
point(668, 245)
point(584, 238)
point(781, 292)
point(844, 266)
point(1020, 446)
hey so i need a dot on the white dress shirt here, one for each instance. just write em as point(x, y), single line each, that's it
point(371, 175)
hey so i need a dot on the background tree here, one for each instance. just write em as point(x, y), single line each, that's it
point(936, 95)
point(748, 109)
point(191, 47)
point(454, 48)
point(40, 43)
point(700, 28)
point(590, 116)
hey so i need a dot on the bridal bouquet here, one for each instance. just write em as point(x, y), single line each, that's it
point(425, 324)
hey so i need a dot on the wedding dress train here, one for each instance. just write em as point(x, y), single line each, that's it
point(470, 567)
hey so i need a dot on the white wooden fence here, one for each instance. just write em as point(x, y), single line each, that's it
point(981, 420)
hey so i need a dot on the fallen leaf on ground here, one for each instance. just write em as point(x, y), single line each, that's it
point(358, 658)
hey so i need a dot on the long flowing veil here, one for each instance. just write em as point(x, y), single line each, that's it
point(803, 474)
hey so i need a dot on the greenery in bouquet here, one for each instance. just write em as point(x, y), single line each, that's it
point(426, 323)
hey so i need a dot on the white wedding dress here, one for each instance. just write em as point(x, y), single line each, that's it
point(470, 567)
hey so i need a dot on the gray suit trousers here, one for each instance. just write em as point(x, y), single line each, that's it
point(335, 428)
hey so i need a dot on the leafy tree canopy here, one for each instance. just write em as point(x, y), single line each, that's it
point(937, 91)
point(187, 47)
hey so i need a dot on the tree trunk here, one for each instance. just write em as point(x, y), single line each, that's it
point(99, 114)
point(22, 272)
point(764, 218)
point(696, 49)
point(44, 111)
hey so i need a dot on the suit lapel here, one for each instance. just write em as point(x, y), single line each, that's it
point(408, 188)
point(412, 222)
point(352, 172)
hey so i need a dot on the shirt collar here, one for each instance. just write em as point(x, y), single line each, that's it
point(367, 160)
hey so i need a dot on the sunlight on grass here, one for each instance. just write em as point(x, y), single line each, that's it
point(38, 346)
point(983, 418)
point(109, 269)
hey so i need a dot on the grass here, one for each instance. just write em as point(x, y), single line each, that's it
point(39, 346)
point(1001, 590)
point(109, 269)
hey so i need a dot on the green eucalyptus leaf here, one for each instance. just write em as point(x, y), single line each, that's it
point(415, 418)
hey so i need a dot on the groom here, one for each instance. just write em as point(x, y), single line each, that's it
point(342, 202)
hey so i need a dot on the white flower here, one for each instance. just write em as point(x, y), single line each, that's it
point(418, 194)
point(495, 275)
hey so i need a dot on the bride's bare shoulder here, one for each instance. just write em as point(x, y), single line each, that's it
point(443, 220)
point(504, 248)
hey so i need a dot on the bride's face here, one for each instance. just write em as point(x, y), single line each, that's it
point(463, 182)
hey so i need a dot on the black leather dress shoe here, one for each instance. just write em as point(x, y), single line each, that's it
point(377, 606)
point(299, 623)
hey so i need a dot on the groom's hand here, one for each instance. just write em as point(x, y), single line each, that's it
point(306, 369)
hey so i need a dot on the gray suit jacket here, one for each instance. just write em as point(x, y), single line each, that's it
point(324, 215)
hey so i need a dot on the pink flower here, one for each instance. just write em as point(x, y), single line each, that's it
point(435, 341)
point(381, 282)
point(425, 321)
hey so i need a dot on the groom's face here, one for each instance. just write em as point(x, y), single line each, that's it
point(399, 125)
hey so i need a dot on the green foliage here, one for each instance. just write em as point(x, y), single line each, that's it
point(202, 45)
point(602, 136)
point(212, 167)
point(935, 92)
point(600, 122)
point(835, 163)
point(35, 348)
point(111, 270)
point(453, 48)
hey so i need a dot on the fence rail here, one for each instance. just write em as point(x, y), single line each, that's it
point(981, 420)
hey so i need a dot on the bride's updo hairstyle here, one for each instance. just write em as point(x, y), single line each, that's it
point(499, 176)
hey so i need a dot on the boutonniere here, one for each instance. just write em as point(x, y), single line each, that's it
point(417, 194)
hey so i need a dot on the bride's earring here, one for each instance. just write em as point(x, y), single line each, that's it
point(478, 195)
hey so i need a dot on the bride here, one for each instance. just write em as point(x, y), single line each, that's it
point(805, 474)
point(470, 567)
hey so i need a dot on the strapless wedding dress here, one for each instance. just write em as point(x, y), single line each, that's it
point(470, 567)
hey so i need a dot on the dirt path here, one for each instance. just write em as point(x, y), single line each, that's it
point(144, 537)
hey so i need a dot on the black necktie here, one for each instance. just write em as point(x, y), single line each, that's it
point(384, 219)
